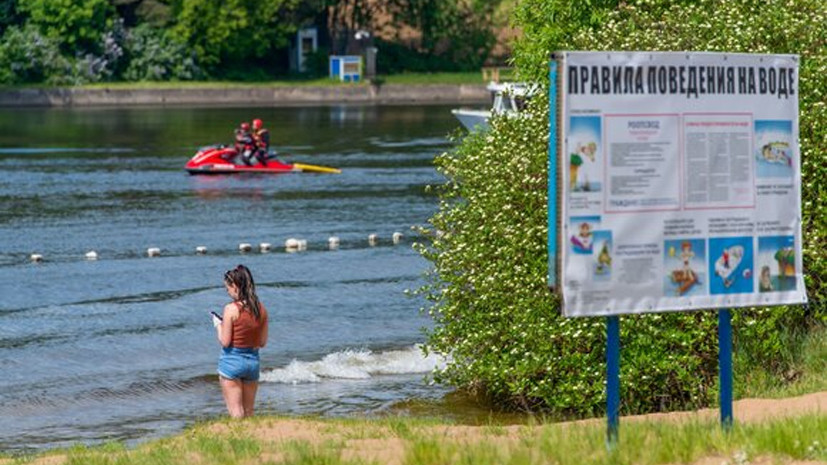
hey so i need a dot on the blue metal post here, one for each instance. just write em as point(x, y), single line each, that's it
point(552, 174)
point(725, 366)
point(612, 377)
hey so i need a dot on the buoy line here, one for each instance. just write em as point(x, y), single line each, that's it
point(291, 245)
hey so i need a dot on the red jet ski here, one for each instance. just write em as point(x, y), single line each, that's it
point(221, 159)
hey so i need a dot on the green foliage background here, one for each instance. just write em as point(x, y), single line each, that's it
point(494, 314)
point(233, 30)
point(240, 40)
point(28, 56)
point(73, 23)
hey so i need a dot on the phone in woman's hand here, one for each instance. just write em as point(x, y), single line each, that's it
point(216, 319)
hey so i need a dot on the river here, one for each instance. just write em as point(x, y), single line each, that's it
point(122, 348)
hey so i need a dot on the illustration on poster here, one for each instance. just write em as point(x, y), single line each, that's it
point(728, 262)
point(584, 135)
point(683, 265)
point(604, 260)
point(773, 150)
point(685, 277)
point(601, 261)
point(582, 241)
point(765, 281)
point(777, 253)
point(776, 152)
point(582, 153)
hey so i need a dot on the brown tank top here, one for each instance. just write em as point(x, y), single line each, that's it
point(247, 330)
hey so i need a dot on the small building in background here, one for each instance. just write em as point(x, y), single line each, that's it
point(347, 68)
point(305, 43)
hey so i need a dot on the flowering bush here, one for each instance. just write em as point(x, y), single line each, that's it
point(91, 67)
point(155, 56)
point(143, 53)
point(493, 311)
point(28, 56)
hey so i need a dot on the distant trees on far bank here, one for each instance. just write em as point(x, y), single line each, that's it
point(72, 42)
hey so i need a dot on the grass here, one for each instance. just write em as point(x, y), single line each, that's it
point(406, 78)
point(433, 78)
point(214, 84)
point(645, 443)
point(808, 372)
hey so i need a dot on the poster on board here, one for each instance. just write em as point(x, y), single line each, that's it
point(680, 182)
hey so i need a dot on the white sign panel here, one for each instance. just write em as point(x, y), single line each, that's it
point(681, 182)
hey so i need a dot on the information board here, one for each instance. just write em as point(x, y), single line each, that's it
point(679, 181)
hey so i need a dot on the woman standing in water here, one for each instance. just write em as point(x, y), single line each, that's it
point(242, 332)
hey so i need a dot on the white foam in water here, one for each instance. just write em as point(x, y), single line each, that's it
point(355, 364)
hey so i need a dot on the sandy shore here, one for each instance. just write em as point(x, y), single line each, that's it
point(260, 95)
point(382, 443)
point(391, 450)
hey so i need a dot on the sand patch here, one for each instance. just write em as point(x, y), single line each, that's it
point(385, 446)
point(748, 410)
point(388, 451)
point(389, 442)
point(760, 460)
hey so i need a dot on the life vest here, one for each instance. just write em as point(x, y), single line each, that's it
point(242, 136)
point(262, 138)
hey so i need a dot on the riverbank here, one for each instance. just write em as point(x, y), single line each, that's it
point(786, 431)
point(240, 94)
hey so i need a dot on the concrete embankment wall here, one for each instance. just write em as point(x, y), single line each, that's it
point(253, 95)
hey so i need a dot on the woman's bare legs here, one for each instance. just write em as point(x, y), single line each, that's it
point(232, 390)
point(248, 397)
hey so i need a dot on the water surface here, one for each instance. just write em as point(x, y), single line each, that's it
point(122, 347)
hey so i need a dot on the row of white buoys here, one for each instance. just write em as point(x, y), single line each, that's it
point(333, 242)
point(373, 239)
point(37, 258)
point(295, 245)
point(290, 245)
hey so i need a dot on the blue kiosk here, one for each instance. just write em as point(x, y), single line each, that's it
point(347, 68)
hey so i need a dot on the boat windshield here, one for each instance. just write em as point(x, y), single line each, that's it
point(509, 97)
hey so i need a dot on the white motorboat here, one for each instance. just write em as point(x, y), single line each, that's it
point(508, 98)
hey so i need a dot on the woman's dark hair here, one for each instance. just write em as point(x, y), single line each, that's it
point(241, 277)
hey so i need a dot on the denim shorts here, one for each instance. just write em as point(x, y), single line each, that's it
point(238, 363)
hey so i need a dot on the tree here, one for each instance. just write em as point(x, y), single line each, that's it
point(347, 17)
point(27, 56)
point(8, 14)
point(233, 31)
point(439, 34)
point(75, 24)
point(463, 31)
point(154, 56)
point(137, 12)
point(548, 26)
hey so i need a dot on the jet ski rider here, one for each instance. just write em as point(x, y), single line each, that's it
point(261, 137)
point(242, 136)
point(244, 142)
